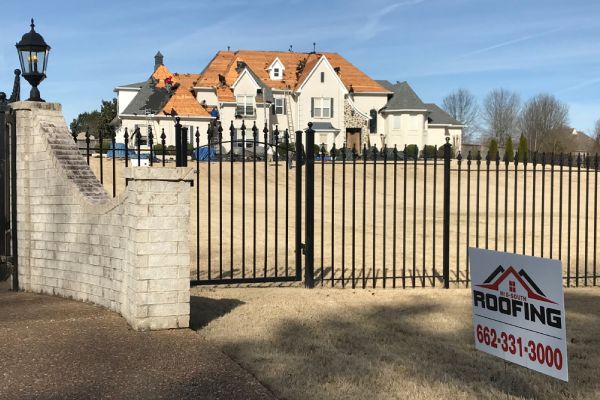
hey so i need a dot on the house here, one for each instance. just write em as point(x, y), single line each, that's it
point(153, 104)
point(284, 90)
point(410, 121)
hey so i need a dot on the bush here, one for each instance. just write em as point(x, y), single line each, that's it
point(493, 150)
point(509, 152)
point(106, 145)
point(284, 149)
point(523, 149)
point(158, 148)
point(411, 151)
point(440, 152)
point(429, 151)
point(190, 149)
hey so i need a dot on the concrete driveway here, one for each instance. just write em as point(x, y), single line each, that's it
point(53, 348)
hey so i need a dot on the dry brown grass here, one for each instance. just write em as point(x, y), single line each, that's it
point(385, 344)
point(424, 243)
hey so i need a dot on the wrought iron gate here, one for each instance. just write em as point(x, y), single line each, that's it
point(8, 190)
point(248, 207)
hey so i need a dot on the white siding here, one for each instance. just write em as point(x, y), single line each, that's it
point(207, 94)
point(124, 97)
point(368, 102)
point(314, 88)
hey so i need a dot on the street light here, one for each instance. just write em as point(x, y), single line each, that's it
point(33, 55)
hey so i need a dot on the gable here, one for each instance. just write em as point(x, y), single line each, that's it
point(245, 84)
point(322, 69)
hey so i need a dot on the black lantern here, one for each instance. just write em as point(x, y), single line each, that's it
point(33, 55)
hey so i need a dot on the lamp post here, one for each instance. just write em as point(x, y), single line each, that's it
point(33, 56)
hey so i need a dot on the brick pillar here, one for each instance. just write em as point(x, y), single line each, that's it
point(159, 282)
point(129, 254)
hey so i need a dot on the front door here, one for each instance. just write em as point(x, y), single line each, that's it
point(353, 140)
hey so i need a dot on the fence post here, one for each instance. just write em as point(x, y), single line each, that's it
point(178, 139)
point(309, 246)
point(446, 253)
point(298, 235)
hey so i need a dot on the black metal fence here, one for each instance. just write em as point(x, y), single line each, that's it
point(8, 186)
point(384, 218)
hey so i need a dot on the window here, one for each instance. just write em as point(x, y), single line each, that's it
point(322, 77)
point(396, 120)
point(276, 72)
point(279, 105)
point(322, 107)
point(245, 106)
point(373, 121)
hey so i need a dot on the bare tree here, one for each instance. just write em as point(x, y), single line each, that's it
point(597, 135)
point(462, 106)
point(542, 117)
point(500, 114)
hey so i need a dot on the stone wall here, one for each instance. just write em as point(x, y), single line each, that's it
point(129, 254)
point(353, 119)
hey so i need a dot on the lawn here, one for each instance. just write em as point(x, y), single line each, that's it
point(384, 344)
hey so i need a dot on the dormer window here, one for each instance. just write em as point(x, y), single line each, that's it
point(276, 70)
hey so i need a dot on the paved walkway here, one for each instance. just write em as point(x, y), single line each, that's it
point(52, 348)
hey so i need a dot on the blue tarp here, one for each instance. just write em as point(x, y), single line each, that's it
point(119, 152)
point(202, 153)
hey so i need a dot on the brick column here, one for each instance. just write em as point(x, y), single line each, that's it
point(129, 254)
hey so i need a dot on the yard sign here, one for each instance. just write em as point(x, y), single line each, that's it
point(519, 311)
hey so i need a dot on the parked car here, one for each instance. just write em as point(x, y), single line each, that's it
point(250, 151)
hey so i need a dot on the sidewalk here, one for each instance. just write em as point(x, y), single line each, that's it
point(53, 348)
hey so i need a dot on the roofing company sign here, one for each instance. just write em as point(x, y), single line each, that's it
point(518, 310)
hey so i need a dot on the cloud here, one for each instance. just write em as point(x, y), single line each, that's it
point(374, 23)
point(581, 85)
point(507, 43)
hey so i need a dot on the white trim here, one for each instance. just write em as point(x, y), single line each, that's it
point(359, 93)
point(448, 125)
point(274, 61)
point(162, 117)
point(244, 72)
point(404, 109)
point(131, 89)
point(336, 76)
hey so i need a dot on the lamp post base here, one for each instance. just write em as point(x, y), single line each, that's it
point(34, 95)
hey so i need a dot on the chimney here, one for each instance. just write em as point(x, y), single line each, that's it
point(158, 60)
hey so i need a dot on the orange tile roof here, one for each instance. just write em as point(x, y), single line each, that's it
point(225, 62)
point(183, 100)
point(161, 74)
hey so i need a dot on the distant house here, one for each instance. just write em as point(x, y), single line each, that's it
point(578, 143)
point(286, 90)
point(155, 102)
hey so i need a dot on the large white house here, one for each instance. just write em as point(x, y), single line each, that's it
point(284, 90)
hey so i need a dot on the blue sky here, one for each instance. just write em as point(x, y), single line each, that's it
point(528, 46)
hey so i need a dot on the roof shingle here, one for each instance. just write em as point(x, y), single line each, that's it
point(297, 67)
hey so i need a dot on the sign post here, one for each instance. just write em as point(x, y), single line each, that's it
point(518, 310)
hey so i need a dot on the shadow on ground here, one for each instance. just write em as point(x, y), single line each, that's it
point(203, 310)
point(422, 349)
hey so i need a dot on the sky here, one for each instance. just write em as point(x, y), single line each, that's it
point(438, 46)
